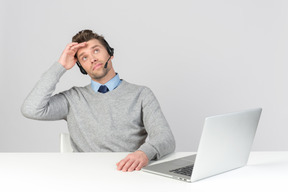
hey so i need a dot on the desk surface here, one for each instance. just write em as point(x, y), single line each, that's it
point(93, 171)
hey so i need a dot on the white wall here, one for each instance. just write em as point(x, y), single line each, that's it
point(200, 58)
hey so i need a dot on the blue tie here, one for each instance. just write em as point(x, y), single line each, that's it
point(103, 89)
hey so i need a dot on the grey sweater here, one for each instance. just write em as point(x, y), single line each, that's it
point(126, 119)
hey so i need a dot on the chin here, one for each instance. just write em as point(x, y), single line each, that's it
point(99, 75)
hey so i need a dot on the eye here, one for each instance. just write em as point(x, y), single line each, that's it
point(96, 50)
point(84, 58)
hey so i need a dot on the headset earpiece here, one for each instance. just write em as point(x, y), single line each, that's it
point(81, 68)
point(110, 50)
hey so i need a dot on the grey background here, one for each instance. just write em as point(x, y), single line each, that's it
point(200, 58)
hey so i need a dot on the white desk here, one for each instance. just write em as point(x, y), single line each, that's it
point(84, 172)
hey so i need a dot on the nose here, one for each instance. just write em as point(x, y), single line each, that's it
point(93, 59)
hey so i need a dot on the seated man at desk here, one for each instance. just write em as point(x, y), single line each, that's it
point(108, 115)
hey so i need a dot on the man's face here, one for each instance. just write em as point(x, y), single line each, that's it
point(93, 58)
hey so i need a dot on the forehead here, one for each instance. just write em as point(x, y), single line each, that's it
point(90, 45)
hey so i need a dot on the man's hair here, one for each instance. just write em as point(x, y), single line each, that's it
point(86, 35)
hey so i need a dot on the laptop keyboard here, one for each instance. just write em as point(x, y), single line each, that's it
point(184, 170)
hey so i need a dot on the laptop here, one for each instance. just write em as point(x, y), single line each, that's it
point(225, 145)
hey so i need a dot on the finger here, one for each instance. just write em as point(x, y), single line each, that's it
point(140, 166)
point(121, 163)
point(77, 46)
point(127, 165)
point(76, 43)
point(133, 166)
point(72, 44)
point(117, 164)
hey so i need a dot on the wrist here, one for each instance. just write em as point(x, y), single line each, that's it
point(63, 64)
point(142, 154)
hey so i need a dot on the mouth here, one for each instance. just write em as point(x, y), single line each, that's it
point(96, 66)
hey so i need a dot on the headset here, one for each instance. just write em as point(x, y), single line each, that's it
point(110, 51)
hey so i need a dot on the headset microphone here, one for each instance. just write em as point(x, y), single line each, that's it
point(110, 51)
point(107, 62)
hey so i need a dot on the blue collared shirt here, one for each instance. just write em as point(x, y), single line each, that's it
point(111, 84)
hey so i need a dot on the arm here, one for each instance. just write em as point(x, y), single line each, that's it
point(40, 104)
point(160, 138)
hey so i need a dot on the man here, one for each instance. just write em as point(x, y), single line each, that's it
point(108, 115)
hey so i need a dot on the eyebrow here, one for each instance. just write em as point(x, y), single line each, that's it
point(90, 48)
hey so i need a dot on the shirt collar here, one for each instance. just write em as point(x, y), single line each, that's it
point(111, 84)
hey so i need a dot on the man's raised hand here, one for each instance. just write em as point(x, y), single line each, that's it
point(67, 58)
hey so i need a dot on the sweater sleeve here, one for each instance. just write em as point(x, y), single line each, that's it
point(40, 104)
point(160, 138)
